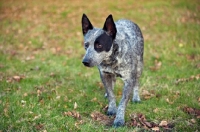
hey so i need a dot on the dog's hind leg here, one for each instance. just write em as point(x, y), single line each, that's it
point(108, 80)
point(136, 97)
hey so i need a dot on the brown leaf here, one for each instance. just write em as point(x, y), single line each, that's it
point(155, 129)
point(103, 119)
point(155, 110)
point(37, 117)
point(17, 78)
point(191, 78)
point(148, 124)
point(100, 85)
point(25, 94)
point(105, 109)
point(198, 65)
point(52, 74)
point(157, 65)
point(73, 114)
point(39, 126)
point(139, 120)
point(192, 111)
point(193, 121)
point(30, 57)
point(163, 123)
point(168, 101)
point(190, 57)
point(94, 99)
point(146, 94)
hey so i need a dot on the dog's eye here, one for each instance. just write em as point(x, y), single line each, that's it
point(98, 46)
point(86, 45)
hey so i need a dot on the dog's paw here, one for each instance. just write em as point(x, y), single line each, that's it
point(136, 101)
point(111, 112)
point(118, 122)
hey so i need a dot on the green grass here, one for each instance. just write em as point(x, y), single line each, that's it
point(41, 45)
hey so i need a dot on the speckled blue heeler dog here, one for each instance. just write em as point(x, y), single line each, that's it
point(117, 51)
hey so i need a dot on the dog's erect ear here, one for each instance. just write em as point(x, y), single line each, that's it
point(109, 26)
point(86, 24)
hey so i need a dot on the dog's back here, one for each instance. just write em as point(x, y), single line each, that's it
point(129, 31)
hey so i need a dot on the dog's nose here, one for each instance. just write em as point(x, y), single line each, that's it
point(86, 63)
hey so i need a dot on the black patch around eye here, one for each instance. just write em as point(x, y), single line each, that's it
point(105, 41)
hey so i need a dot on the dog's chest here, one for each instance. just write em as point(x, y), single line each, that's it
point(112, 66)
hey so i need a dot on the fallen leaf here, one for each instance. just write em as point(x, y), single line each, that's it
point(39, 92)
point(105, 108)
point(190, 57)
point(157, 65)
point(148, 124)
point(192, 111)
point(139, 120)
point(193, 121)
point(52, 74)
point(58, 97)
point(75, 105)
point(73, 114)
point(170, 102)
point(155, 128)
point(163, 123)
point(30, 58)
point(39, 126)
point(101, 118)
point(155, 110)
point(147, 95)
point(191, 78)
point(100, 85)
point(17, 78)
point(37, 117)
point(94, 99)
point(25, 94)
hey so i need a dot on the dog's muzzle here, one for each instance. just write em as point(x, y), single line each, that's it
point(86, 62)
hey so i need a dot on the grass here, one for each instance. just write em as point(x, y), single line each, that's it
point(41, 75)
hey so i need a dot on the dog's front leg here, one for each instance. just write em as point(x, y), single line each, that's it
point(128, 89)
point(108, 80)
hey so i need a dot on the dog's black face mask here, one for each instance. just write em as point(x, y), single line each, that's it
point(98, 42)
point(103, 43)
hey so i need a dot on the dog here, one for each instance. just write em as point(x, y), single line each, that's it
point(117, 51)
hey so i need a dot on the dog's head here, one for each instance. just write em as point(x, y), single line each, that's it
point(98, 42)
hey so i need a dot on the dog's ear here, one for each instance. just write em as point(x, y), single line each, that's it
point(109, 26)
point(86, 24)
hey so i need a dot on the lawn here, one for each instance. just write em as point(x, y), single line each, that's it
point(45, 87)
